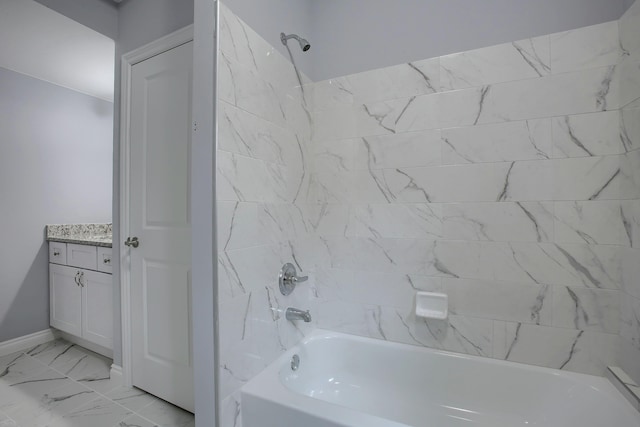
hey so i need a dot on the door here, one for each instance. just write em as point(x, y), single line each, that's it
point(97, 303)
point(65, 299)
point(160, 218)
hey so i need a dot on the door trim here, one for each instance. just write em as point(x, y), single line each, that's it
point(161, 45)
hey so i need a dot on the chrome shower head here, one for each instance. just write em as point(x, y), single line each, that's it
point(304, 43)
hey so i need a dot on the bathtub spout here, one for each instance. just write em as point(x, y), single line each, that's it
point(295, 314)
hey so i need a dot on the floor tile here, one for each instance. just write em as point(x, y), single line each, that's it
point(20, 369)
point(5, 421)
point(136, 421)
point(53, 405)
point(30, 389)
point(97, 413)
point(167, 415)
point(49, 352)
point(131, 397)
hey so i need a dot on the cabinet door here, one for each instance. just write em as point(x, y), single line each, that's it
point(97, 313)
point(65, 299)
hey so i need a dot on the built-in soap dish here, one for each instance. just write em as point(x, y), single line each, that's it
point(432, 305)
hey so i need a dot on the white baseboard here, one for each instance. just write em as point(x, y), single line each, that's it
point(27, 341)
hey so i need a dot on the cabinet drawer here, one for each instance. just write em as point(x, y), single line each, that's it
point(57, 253)
point(104, 260)
point(82, 256)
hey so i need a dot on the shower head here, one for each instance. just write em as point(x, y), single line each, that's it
point(304, 43)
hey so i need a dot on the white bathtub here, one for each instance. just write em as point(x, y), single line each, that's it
point(345, 380)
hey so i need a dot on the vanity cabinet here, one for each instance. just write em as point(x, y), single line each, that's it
point(81, 292)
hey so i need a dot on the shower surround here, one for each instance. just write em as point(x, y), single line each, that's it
point(506, 177)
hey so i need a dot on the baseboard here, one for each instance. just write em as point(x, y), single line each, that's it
point(106, 352)
point(27, 341)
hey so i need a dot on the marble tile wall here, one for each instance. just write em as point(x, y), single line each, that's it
point(506, 177)
point(630, 135)
point(502, 176)
point(263, 168)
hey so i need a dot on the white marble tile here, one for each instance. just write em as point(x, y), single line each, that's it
point(47, 407)
point(630, 128)
point(528, 181)
point(630, 320)
point(5, 421)
point(600, 222)
point(411, 149)
point(629, 81)
point(328, 94)
point(246, 134)
point(407, 256)
point(519, 140)
point(630, 31)
point(555, 95)
point(135, 421)
point(588, 178)
point(398, 81)
point(328, 187)
point(335, 123)
point(586, 309)
point(165, 414)
point(520, 221)
point(629, 177)
point(501, 63)
point(414, 113)
point(499, 300)
point(630, 266)
point(18, 368)
point(334, 155)
point(586, 47)
point(241, 178)
point(459, 334)
point(373, 288)
point(410, 221)
point(23, 392)
point(238, 225)
point(252, 268)
point(231, 414)
point(458, 183)
point(327, 219)
point(594, 134)
point(580, 351)
point(93, 371)
point(97, 413)
point(593, 266)
point(130, 397)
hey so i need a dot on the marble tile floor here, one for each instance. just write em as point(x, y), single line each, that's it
point(59, 384)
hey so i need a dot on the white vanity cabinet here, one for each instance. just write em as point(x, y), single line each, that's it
point(81, 292)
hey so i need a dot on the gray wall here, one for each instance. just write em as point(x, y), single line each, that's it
point(350, 36)
point(139, 22)
point(270, 18)
point(99, 15)
point(55, 151)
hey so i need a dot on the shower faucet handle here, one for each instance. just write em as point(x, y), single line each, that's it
point(288, 278)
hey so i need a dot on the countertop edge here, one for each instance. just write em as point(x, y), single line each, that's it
point(80, 241)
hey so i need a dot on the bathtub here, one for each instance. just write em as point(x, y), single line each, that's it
point(343, 380)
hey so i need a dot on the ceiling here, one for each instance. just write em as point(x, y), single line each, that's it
point(44, 44)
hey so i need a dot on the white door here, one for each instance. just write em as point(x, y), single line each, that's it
point(65, 299)
point(97, 303)
point(160, 218)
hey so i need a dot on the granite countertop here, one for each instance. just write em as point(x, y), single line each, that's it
point(81, 234)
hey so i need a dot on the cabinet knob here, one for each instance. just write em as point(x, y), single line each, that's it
point(56, 252)
point(107, 260)
point(132, 242)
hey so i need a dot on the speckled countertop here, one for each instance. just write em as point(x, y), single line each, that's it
point(81, 234)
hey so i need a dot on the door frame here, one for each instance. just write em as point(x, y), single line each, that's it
point(161, 45)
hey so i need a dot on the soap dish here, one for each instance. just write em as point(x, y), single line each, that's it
point(431, 305)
